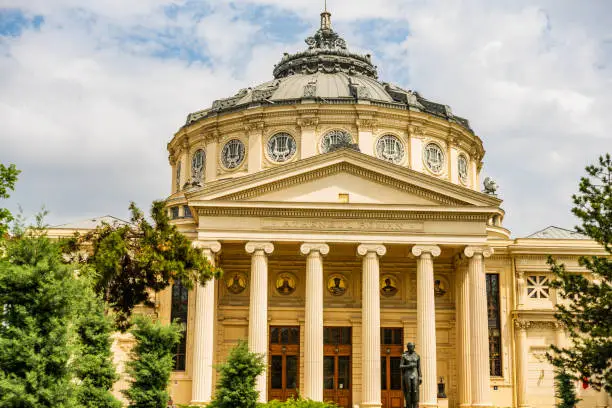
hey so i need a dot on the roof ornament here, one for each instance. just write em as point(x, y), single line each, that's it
point(490, 186)
point(325, 19)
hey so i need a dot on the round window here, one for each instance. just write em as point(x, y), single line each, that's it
point(462, 164)
point(232, 154)
point(281, 147)
point(335, 138)
point(434, 158)
point(197, 165)
point(390, 148)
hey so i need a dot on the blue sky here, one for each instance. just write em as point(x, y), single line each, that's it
point(92, 90)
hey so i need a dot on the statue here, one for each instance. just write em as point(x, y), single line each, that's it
point(490, 186)
point(410, 367)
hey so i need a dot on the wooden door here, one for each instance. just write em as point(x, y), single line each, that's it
point(391, 341)
point(283, 369)
point(337, 372)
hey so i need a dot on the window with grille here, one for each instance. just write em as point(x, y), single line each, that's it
point(178, 312)
point(493, 313)
point(538, 287)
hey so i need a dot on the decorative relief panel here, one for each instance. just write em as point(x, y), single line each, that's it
point(343, 225)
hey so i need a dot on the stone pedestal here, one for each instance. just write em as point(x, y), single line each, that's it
point(258, 308)
point(370, 312)
point(426, 323)
point(203, 335)
point(313, 322)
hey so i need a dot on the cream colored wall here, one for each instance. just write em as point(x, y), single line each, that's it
point(254, 128)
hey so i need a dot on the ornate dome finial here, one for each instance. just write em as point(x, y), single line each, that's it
point(326, 19)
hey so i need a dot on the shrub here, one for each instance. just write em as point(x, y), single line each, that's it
point(298, 403)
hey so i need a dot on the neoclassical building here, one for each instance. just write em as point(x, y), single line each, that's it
point(348, 217)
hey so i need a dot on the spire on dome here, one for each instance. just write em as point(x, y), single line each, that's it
point(326, 19)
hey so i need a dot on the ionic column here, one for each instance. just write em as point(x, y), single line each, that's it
point(203, 338)
point(370, 316)
point(313, 324)
point(479, 333)
point(426, 322)
point(520, 327)
point(258, 308)
point(462, 307)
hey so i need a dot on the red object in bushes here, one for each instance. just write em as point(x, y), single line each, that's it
point(585, 383)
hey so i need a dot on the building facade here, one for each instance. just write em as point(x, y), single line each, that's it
point(348, 217)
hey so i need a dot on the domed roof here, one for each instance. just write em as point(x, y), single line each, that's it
point(326, 73)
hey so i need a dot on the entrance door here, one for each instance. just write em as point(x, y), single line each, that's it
point(337, 365)
point(391, 341)
point(284, 353)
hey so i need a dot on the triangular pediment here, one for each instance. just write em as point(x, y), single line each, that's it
point(343, 174)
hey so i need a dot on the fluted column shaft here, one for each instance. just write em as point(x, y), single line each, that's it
point(479, 333)
point(258, 308)
point(203, 338)
point(370, 316)
point(426, 322)
point(313, 322)
point(521, 362)
point(463, 335)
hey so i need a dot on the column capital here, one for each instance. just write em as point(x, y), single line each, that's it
point(419, 250)
point(212, 246)
point(522, 325)
point(485, 251)
point(253, 246)
point(378, 249)
point(308, 247)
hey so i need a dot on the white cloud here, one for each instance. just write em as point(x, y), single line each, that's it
point(87, 104)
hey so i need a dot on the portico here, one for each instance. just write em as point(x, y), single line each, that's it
point(308, 267)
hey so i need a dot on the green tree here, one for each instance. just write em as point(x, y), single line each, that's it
point(152, 362)
point(236, 386)
point(564, 390)
point(37, 293)
point(8, 178)
point(94, 364)
point(140, 257)
point(588, 316)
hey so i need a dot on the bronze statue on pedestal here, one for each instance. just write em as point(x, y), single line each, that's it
point(410, 367)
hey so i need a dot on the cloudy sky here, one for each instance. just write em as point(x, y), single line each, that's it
point(92, 90)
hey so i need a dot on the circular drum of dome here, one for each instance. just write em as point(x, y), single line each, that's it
point(232, 154)
point(281, 147)
point(333, 138)
point(390, 148)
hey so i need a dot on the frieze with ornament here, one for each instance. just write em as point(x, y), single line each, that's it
point(342, 225)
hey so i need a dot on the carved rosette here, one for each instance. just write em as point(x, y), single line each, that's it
point(522, 324)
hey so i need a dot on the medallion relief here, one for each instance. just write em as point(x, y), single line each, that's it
point(337, 284)
point(388, 286)
point(236, 283)
point(285, 284)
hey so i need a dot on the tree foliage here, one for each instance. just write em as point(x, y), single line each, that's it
point(588, 314)
point(564, 390)
point(94, 363)
point(8, 178)
point(131, 260)
point(37, 293)
point(236, 385)
point(152, 362)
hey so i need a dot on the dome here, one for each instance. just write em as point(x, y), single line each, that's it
point(326, 73)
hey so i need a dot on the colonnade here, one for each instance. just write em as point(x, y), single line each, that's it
point(472, 323)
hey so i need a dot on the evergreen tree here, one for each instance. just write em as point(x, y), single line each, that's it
point(564, 390)
point(152, 362)
point(94, 364)
point(132, 260)
point(236, 386)
point(8, 178)
point(37, 293)
point(588, 316)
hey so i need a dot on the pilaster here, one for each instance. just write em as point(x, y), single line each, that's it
point(520, 327)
